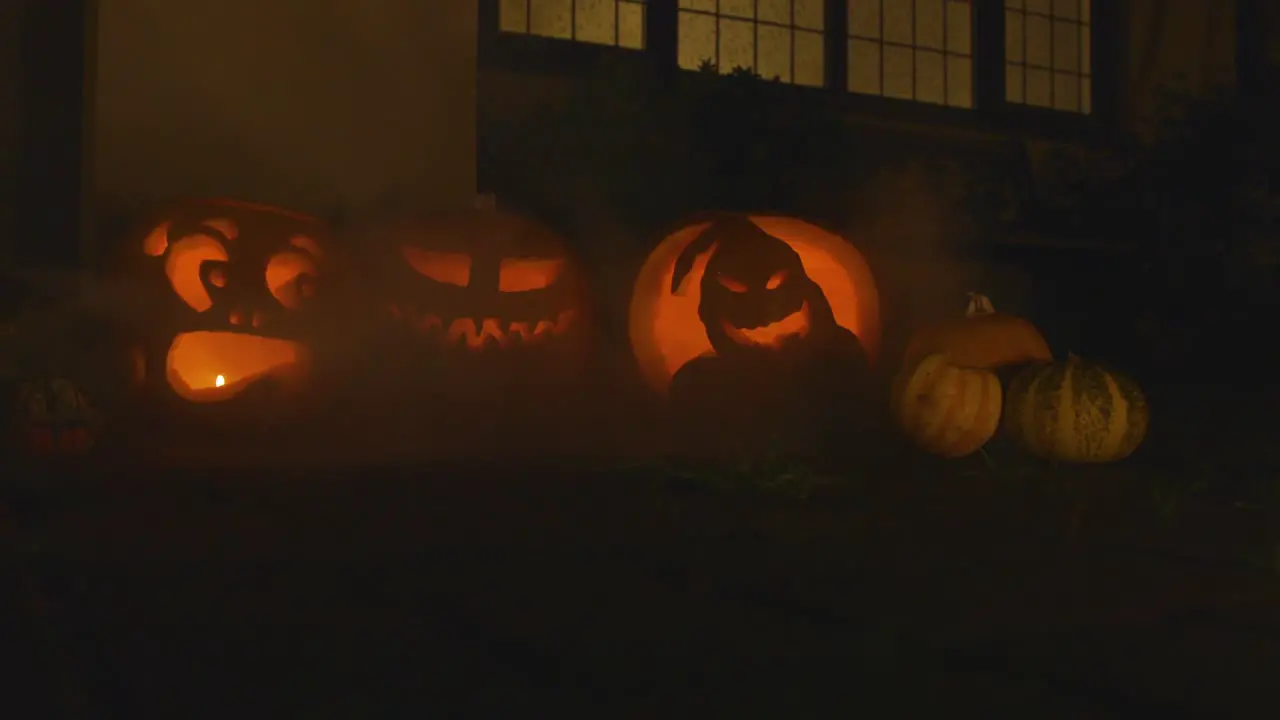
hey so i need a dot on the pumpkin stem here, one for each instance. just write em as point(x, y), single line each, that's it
point(979, 305)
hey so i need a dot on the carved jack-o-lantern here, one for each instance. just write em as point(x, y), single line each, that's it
point(485, 281)
point(747, 281)
point(242, 273)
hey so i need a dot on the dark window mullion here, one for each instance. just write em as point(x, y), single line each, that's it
point(835, 24)
point(987, 56)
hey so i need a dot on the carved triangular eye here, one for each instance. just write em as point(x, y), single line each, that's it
point(448, 268)
point(777, 280)
point(731, 284)
point(524, 274)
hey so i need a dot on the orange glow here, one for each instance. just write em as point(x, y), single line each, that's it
point(283, 270)
point(731, 285)
point(666, 332)
point(227, 227)
point(207, 366)
point(490, 330)
point(307, 244)
point(449, 268)
point(795, 325)
point(182, 267)
point(776, 280)
point(157, 241)
point(522, 274)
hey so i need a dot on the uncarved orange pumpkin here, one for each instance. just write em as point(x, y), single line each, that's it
point(665, 329)
point(983, 338)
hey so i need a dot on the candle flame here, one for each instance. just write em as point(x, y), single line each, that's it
point(219, 381)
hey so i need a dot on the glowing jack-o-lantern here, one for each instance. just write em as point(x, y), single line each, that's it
point(484, 281)
point(242, 273)
point(783, 280)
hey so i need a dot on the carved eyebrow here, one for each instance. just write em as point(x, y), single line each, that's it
point(226, 226)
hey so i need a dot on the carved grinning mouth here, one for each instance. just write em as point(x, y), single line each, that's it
point(775, 334)
point(496, 332)
point(210, 366)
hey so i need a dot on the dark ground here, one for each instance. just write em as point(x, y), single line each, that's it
point(913, 590)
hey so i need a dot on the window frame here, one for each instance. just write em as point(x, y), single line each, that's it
point(990, 113)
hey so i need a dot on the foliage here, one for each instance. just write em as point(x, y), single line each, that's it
point(633, 149)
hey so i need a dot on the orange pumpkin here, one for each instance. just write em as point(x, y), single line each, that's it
point(242, 275)
point(666, 329)
point(983, 338)
point(485, 280)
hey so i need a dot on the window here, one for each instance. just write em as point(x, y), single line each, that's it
point(776, 38)
point(1047, 49)
point(912, 50)
point(604, 22)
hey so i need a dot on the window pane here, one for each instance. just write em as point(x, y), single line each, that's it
point(1066, 91)
point(1038, 40)
point(1086, 96)
point(551, 18)
point(1039, 88)
point(1013, 39)
point(702, 5)
point(774, 59)
point(810, 56)
point(959, 29)
point(774, 11)
point(864, 67)
point(737, 45)
point(631, 25)
point(864, 18)
point(1086, 7)
point(594, 21)
point(898, 21)
point(1086, 50)
point(959, 81)
point(1066, 46)
point(696, 38)
point(1013, 79)
point(931, 77)
point(738, 8)
point(513, 16)
point(1069, 9)
point(899, 72)
point(929, 30)
point(1038, 6)
point(810, 14)
point(1015, 4)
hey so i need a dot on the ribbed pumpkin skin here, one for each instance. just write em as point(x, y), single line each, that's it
point(944, 409)
point(1075, 411)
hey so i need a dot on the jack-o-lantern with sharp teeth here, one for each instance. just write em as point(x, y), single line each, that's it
point(485, 286)
point(243, 276)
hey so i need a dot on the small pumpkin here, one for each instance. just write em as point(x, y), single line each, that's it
point(54, 417)
point(1075, 411)
point(984, 338)
point(946, 409)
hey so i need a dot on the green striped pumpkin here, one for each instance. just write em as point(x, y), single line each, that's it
point(1075, 411)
